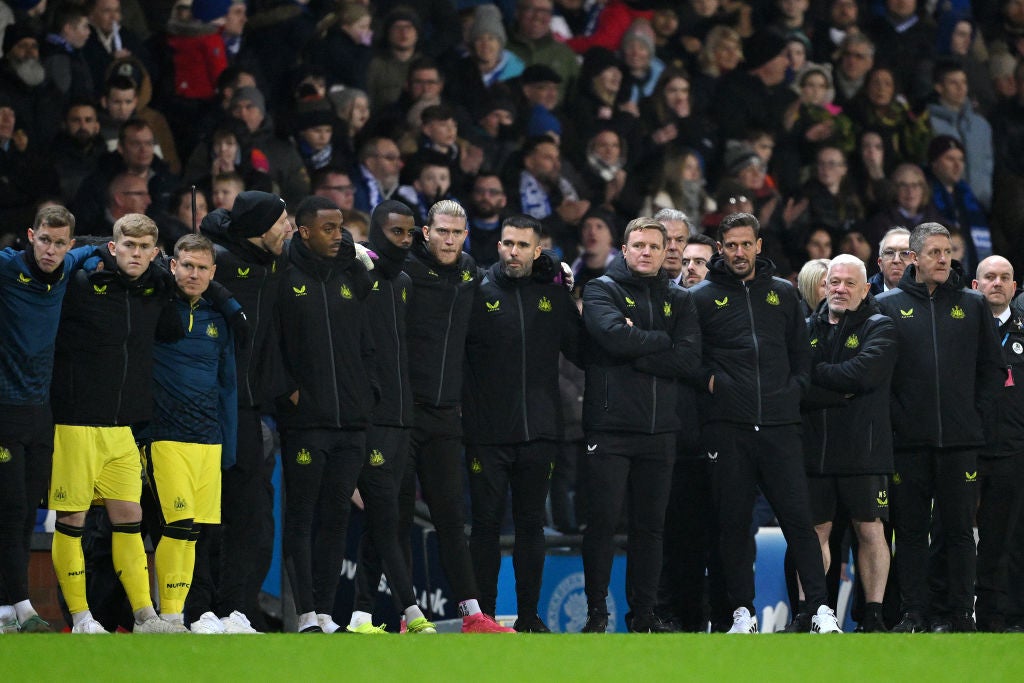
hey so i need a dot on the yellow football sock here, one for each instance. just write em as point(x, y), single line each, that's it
point(130, 564)
point(175, 563)
point(69, 565)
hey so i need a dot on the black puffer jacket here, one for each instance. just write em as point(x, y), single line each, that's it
point(437, 318)
point(633, 371)
point(252, 275)
point(846, 423)
point(516, 331)
point(755, 346)
point(326, 341)
point(949, 369)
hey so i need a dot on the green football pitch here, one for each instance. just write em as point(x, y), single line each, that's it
point(522, 658)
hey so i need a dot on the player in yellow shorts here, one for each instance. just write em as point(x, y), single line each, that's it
point(101, 386)
point(192, 433)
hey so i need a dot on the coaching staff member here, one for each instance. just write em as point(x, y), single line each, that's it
point(642, 339)
point(512, 411)
point(847, 432)
point(947, 378)
point(756, 364)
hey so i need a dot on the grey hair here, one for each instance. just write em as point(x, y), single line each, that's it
point(673, 215)
point(848, 260)
point(923, 232)
point(892, 232)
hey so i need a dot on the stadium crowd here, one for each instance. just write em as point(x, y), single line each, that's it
point(445, 239)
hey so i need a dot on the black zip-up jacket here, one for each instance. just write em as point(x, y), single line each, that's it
point(1008, 421)
point(386, 307)
point(755, 346)
point(949, 368)
point(847, 429)
point(437, 319)
point(252, 275)
point(633, 372)
point(326, 340)
point(103, 361)
point(510, 382)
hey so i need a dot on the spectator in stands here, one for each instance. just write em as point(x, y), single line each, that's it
point(818, 121)
point(607, 177)
point(811, 283)
point(429, 181)
point(721, 53)
point(832, 202)
point(314, 128)
point(134, 155)
point(547, 195)
point(486, 210)
point(265, 150)
point(601, 98)
point(132, 69)
point(956, 38)
point(61, 52)
point(352, 107)
point(870, 172)
point(612, 23)
point(668, 46)
point(108, 40)
point(23, 177)
point(495, 131)
point(488, 59)
point(334, 183)
point(791, 18)
point(828, 35)
point(670, 120)
point(533, 42)
point(953, 115)
point(1008, 205)
point(754, 96)
point(77, 148)
point(880, 105)
point(680, 185)
point(911, 204)
point(856, 59)
point(126, 194)
point(643, 68)
point(599, 242)
point(376, 176)
point(956, 200)
point(390, 66)
point(225, 187)
point(905, 41)
point(36, 101)
point(341, 45)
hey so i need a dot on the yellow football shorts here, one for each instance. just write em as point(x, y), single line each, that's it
point(186, 480)
point(91, 463)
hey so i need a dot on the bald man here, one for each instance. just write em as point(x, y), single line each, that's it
point(1000, 600)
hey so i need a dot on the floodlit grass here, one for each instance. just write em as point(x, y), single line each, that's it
point(526, 658)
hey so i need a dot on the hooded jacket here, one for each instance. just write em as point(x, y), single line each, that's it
point(755, 346)
point(517, 329)
point(326, 340)
point(633, 371)
point(437, 319)
point(252, 274)
point(949, 369)
point(846, 420)
point(103, 363)
point(386, 306)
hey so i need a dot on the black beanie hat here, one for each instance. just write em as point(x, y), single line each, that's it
point(255, 212)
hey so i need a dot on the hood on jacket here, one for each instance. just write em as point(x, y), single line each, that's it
point(908, 283)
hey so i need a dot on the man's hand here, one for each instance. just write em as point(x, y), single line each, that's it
point(629, 323)
point(711, 385)
point(365, 255)
point(294, 398)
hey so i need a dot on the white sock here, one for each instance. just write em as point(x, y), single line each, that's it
point(172, 617)
point(360, 618)
point(7, 612)
point(78, 617)
point(144, 614)
point(25, 611)
point(307, 619)
point(413, 613)
point(468, 608)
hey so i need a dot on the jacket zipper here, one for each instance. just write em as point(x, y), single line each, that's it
point(398, 354)
point(252, 340)
point(757, 354)
point(444, 354)
point(654, 378)
point(522, 338)
point(837, 339)
point(330, 348)
point(935, 352)
point(124, 355)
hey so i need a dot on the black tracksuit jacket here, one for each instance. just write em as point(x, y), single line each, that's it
point(755, 345)
point(633, 372)
point(326, 340)
point(437, 318)
point(517, 328)
point(853, 358)
point(252, 275)
point(949, 369)
point(103, 361)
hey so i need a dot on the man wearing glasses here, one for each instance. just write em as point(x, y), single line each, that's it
point(334, 184)
point(893, 256)
point(376, 175)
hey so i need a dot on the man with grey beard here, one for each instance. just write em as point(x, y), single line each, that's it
point(34, 98)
